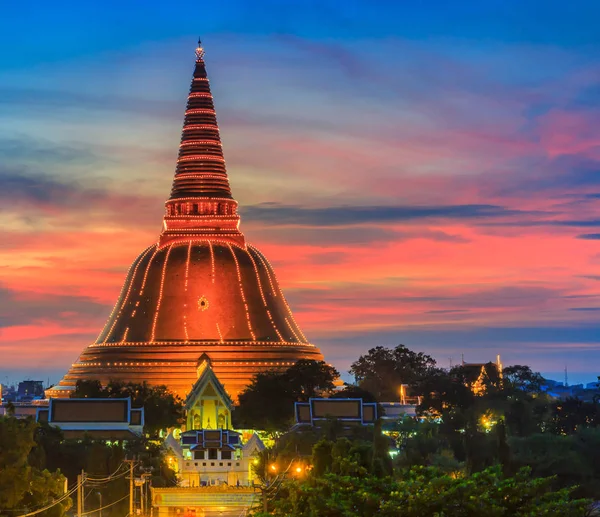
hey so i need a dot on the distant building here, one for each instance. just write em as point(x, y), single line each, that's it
point(480, 375)
point(22, 409)
point(30, 390)
point(102, 419)
point(394, 411)
point(347, 411)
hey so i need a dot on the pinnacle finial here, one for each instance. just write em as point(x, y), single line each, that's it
point(199, 51)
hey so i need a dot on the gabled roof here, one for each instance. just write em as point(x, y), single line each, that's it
point(253, 445)
point(206, 378)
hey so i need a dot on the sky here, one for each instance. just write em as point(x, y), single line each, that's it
point(417, 173)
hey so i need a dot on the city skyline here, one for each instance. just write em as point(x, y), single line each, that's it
point(437, 189)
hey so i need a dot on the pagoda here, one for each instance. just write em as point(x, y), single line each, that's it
point(201, 289)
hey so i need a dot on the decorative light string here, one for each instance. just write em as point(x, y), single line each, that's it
point(142, 288)
point(137, 263)
point(185, 310)
point(281, 293)
point(194, 111)
point(239, 274)
point(194, 157)
point(262, 295)
point(160, 293)
point(200, 142)
point(212, 262)
point(249, 343)
point(135, 266)
point(190, 127)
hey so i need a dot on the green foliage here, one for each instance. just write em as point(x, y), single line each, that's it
point(162, 408)
point(350, 391)
point(381, 463)
point(382, 370)
point(426, 492)
point(23, 485)
point(519, 377)
point(268, 402)
point(572, 459)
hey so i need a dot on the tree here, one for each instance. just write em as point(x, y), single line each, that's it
point(518, 377)
point(426, 491)
point(307, 378)
point(267, 403)
point(570, 415)
point(352, 391)
point(22, 485)
point(381, 463)
point(383, 370)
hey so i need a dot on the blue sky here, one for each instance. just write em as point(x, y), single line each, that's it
point(418, 173)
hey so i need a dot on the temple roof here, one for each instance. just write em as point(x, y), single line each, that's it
point(206, 380)
point(200, 171)
point(201, 204)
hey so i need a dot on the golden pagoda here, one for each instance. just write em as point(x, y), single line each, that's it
point(201, 288)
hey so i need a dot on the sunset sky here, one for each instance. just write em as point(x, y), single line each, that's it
point(426, 175)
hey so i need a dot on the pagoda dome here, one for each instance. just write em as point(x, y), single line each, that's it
point(200, 289)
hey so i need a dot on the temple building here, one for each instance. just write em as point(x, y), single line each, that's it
point(200, 289)
point(208, 451)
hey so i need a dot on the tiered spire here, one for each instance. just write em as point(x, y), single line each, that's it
point(201, 204)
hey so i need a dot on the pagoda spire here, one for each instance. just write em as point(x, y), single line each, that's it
point(201, 204)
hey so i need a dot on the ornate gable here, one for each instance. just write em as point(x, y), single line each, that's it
point(208, 406)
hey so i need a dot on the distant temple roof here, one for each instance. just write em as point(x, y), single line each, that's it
point(350, 411)
point(108, 419)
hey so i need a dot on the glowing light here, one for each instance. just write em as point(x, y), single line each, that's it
point(239, 275)
point(160, 293)
point(263, 297)
point(194, 111)
point(137, 263)
point(187, 269)
point(203, 303)
point(198, 157)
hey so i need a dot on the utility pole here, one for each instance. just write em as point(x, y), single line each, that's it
point(146, 504)
point(131, 465)
point(80, 497)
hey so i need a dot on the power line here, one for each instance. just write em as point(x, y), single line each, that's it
point(107, 506)
point(110, 476)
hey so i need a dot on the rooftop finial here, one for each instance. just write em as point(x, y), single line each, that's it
point(199, 51)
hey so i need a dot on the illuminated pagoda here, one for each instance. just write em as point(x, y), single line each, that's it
point(201, 289)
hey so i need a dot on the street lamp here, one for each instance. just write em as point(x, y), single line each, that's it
point(99, 494)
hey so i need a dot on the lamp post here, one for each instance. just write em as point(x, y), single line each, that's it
point(99, 494)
